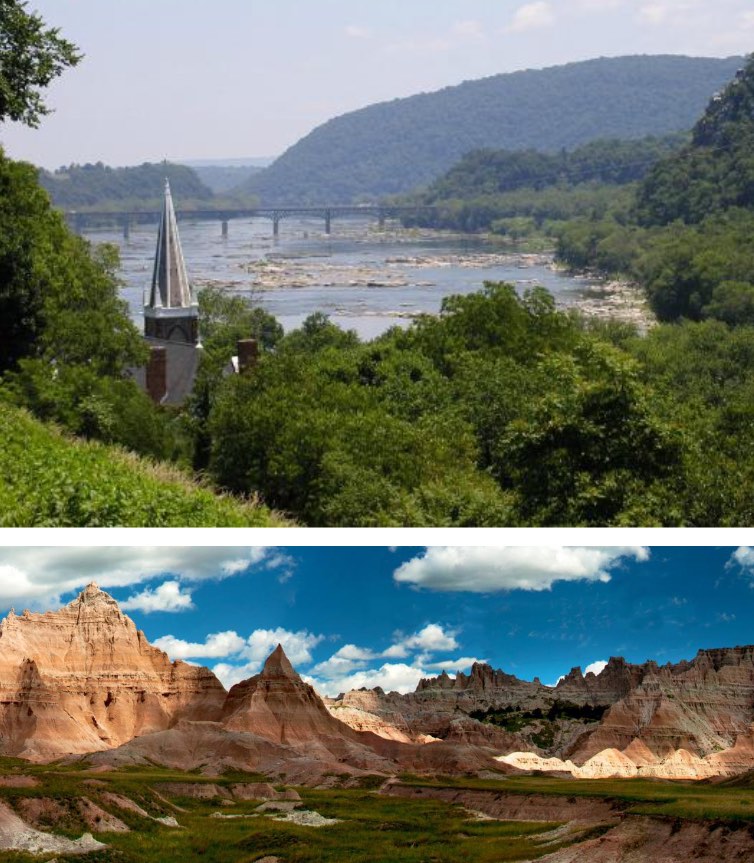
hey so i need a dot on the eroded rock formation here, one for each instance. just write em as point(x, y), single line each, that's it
point(84, 679)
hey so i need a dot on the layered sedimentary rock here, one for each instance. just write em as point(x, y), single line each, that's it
point(84, 679)
point(690, 720)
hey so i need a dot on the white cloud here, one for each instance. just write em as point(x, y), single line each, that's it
point(432, 638)
point(595, 667)
point(398, 677)
point(40, 576)
point(661, 12)
point(491, 570)
point(746, 20)
point(532, 16)
point(468, 30)
point(744, 557)
point(215, 646)
point(168, 596)
point(354, 31)
point(297, 645)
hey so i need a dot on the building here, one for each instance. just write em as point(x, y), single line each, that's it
point(171, 319)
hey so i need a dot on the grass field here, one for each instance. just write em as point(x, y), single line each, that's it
point(372, 827)
point(48, 479)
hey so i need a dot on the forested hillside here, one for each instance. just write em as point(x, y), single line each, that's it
point(81, 187)
point(396, 146)
point(688, 236)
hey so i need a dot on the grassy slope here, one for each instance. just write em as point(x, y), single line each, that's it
point(373, 828)
point(693, 800)
point(50, 480)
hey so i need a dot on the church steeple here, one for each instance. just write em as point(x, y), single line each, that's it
point(171, 312)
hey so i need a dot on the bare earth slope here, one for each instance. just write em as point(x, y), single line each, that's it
point(84, 679)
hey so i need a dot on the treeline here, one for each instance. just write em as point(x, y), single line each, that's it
point(502, 411)
point(100, 187)
point(518, 194)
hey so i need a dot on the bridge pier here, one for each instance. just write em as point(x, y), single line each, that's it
point(126, 228)
point(381, 220)
point(276, 225)
point(224, 229)
point(328, 221)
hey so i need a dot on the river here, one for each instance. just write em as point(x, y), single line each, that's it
point(363, 278)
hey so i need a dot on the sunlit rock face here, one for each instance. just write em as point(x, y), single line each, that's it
point(84, 679)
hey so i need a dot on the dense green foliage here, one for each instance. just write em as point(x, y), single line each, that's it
point(394, 147)
point(99, 187)
point(49, 480)
point(32, 55)
point(716, 170)
point(58, 300)
point(503, 411)
point(485, 173)
point(519, 194)
point(687, 236)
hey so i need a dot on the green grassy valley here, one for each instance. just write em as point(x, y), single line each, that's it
point(219, 818)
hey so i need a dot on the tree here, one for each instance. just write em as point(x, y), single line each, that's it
point(31, 57)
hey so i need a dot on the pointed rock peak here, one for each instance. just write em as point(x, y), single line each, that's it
point(278, 665)
point(92, 594)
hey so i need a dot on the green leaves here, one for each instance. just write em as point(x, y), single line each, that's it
point(31, 57)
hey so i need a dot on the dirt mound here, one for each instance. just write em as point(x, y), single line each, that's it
point(515, 807)
point(16, 835)
point(637, 839)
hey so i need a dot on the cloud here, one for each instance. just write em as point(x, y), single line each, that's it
point(220, 644)
point(354, 31)
point(492, 570)
point(166, 597)
point(40, 576)
point(432, 638)
point(468, 30)
point(259, 645)
point(396, 676)
point(746, 20)
point(595, 667)
point(660, 12)
point(743, 556)
point(532, 16)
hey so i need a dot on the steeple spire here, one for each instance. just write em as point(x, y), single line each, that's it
point(171, 312)
point(170, 283)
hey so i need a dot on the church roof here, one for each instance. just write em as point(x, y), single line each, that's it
point(182, 364)
point(170, 283)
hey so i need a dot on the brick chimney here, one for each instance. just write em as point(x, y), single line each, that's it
point(248, 354)
point(157, 373)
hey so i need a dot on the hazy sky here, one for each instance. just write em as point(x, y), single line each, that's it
point(182, 79)
point(353, 617)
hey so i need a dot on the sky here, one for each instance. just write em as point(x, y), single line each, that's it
point(197, 79)
point(376, 616)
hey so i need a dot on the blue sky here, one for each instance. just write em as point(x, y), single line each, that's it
point(183, 79)
point(353, 617)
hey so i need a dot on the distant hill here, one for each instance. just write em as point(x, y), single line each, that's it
point(394, 147)
point(223, 178)
point(484, 173)
point(98, 186)
point(716, 170)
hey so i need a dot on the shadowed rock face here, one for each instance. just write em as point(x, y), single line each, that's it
point(688, 720)
point(84, 679)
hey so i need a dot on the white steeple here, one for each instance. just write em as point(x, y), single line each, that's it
point(170, 283)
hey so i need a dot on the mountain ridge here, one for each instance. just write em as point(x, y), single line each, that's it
point(395, 146)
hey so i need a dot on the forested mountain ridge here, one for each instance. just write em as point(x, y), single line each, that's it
point(78, 187)
point(716, 170)
point(394, 147)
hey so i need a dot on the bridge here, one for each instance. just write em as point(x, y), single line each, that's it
point(79, 221)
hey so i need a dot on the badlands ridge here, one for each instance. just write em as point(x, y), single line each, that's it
point(83, 681)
